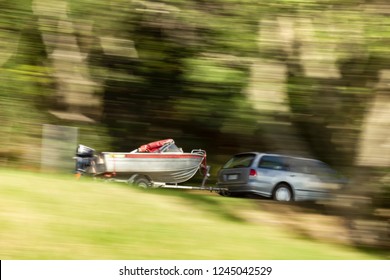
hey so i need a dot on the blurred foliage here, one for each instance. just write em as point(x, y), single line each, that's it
point(147, 70)
point(182, 68)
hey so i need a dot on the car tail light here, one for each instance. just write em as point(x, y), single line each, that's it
point(252, 173)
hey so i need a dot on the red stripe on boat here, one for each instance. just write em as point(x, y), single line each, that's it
point(146, 155)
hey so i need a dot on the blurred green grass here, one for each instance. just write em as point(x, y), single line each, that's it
point(59, 217)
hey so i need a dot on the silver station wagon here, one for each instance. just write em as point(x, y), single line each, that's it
point(280, 177)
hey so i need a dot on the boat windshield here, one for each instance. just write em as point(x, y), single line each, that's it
point(173, 149)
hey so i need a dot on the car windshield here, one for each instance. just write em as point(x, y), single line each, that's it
point(311, 167)
point(321, 169)
point(239, 161)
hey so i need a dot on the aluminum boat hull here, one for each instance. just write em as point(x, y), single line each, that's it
point(164, 167)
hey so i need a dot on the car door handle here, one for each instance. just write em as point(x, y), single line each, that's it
point(292, 175)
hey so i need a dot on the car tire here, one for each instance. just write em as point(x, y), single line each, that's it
point(142, 182)
point(283, 192)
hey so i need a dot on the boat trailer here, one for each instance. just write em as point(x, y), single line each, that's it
point(158, 185)
point(136, 179)
point(145, 167)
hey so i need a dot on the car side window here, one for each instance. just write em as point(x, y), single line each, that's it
point(272, 162)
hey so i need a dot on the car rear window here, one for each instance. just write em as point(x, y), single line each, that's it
point(239, 161)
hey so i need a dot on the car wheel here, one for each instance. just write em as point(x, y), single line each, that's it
point(283, 192)
point(142, 182)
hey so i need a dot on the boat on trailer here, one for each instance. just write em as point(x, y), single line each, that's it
point(156, 164)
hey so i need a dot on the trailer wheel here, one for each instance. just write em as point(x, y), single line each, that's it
point(142, 182)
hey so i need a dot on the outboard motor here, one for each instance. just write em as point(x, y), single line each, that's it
point(84, 159)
